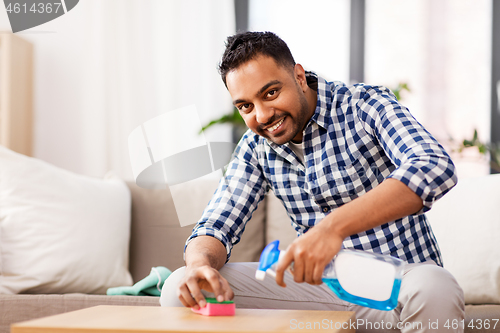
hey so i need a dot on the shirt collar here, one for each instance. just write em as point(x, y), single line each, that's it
point(322, 113)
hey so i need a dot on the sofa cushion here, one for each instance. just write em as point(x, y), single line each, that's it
point(482, 318)
point(466, 224)
point(60, 232)
point(157, 238)
point(278, 223)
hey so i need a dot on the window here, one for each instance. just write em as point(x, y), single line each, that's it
point(442, 49)
point(317, 32)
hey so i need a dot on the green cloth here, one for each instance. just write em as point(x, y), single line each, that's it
point(149, 286)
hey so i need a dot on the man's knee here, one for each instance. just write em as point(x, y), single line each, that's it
point(434, 287)
point(169, 291)
point(436, 282)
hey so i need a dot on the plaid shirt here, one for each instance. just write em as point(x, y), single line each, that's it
point(358, 136)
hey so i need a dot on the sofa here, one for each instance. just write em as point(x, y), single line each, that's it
point(157, 239)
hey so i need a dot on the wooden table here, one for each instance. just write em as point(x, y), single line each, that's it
point(130, 319)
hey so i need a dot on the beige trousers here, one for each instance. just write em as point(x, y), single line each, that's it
point(430, 298)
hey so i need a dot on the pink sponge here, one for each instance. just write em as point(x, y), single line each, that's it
point(214, 308)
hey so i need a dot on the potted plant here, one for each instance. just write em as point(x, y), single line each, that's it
point(235, 119)
point(491, 149)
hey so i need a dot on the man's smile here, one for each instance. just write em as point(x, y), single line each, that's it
point(273, 128)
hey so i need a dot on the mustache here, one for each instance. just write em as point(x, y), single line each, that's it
point(272, 121)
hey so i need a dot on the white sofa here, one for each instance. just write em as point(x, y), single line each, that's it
point(466, 223)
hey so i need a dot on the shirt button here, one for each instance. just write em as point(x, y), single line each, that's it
point(325, 209)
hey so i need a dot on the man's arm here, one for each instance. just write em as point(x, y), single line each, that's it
point(424, 173)
point(205, 255)
point(312, 251)
point(222, 222)
point(206, 250)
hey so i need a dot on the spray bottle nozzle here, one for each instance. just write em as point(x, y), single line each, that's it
point(268, 258)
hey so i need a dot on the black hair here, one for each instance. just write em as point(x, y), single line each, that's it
point(245, 46)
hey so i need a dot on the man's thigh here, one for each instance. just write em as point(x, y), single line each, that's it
point(252, 293)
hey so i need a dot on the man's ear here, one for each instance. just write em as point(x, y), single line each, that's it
point(300, 76)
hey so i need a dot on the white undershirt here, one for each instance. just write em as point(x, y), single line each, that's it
point(297, 149)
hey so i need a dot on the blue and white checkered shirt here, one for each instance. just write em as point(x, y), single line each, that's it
point(358, 136)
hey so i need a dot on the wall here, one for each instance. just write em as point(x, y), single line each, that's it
point(105, 67)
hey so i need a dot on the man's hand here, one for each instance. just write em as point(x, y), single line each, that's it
point(206, 278)
point(310, 253)
point(205, 255)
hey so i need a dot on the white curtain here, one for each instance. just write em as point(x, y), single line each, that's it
point(143, 59)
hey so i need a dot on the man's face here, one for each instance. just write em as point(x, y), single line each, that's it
point(271, 99)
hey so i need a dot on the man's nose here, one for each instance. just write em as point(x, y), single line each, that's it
point(264, 114)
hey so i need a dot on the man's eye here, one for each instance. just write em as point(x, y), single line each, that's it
point(272, 92)
point(243, 107)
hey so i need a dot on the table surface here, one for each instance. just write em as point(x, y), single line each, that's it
point(130, 319)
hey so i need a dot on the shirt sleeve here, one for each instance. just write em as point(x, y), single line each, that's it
point(237, 196)
point(421, 162)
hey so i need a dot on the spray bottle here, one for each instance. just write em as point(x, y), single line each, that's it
point(368, 279)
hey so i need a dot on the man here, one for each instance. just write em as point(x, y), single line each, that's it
point(352, 167)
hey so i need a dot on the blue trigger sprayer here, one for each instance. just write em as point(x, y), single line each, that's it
point(368, 279)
